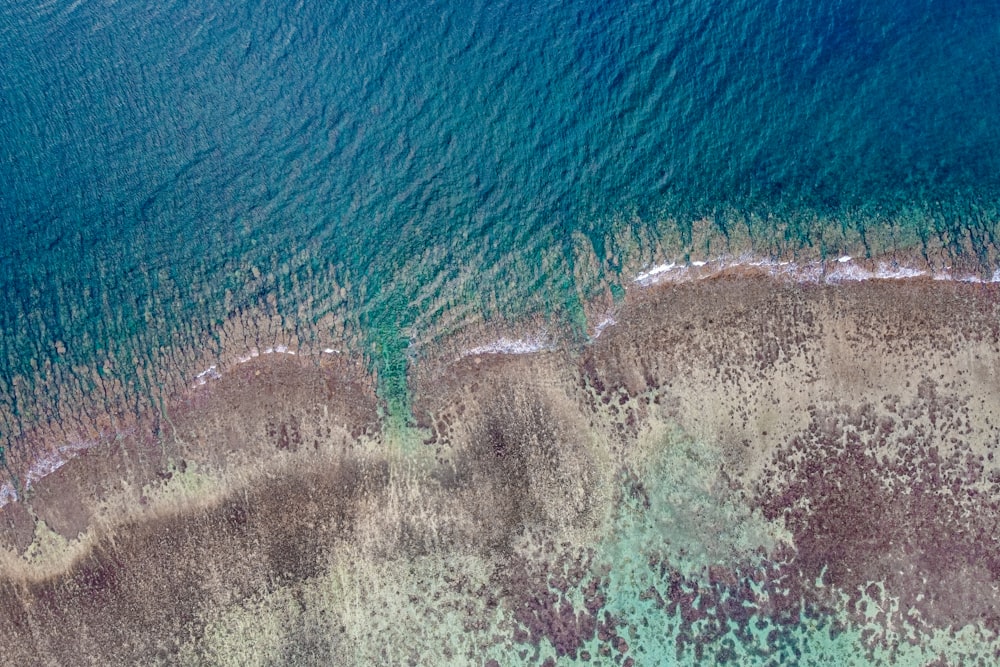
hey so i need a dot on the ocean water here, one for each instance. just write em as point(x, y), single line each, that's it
point(413, 166)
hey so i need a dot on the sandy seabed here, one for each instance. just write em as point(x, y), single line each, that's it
point(738, 469)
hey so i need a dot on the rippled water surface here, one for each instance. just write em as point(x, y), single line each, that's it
point(156, 155)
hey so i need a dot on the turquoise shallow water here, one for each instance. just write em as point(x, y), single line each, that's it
point(155, 154)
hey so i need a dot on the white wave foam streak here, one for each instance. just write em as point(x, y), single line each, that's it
point(995, 278)
point(279, 349)
point(252, 354)
point(848, 273)
point(843, 269)
point(510, 346)
point(659, 273)
point(887, 272)
point(608, 321)
point(7, 493)
point(48, 464)
point(51, 462)
point(210, 373)
point(43, 467)
point(810, 272)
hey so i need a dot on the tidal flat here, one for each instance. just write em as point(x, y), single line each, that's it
point(737, 470)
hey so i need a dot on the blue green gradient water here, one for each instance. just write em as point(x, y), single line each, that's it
point(153, 154)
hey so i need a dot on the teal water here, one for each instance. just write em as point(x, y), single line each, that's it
point(168, 165)
point(154, 155)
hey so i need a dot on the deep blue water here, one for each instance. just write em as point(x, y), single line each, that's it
point(152, 154)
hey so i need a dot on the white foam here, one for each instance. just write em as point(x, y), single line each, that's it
point(48, 464)
point(887, 272)
point(608, 321)
point(7, 493)
point(43, 467)
point(849, 273)
point(654, 274)
point(330, 350)
point(813, 272)
point(210, 373)
point(252, 354)
point(83, 445)
point(509, 346)
point(842, 269)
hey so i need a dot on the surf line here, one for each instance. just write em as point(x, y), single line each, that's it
point(839, 270)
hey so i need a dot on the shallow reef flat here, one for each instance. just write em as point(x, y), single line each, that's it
point(738, 470)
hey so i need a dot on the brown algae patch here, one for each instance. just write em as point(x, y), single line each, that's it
point(739, 470)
